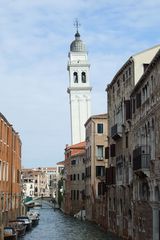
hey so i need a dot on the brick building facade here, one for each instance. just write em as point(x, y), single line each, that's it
point(10, 168)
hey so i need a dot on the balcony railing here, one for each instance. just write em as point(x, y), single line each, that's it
point(116, 131)
point(141, 158)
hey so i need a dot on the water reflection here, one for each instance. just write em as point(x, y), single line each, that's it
point(55, 225)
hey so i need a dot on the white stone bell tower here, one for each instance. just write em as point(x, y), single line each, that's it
point(79, 88)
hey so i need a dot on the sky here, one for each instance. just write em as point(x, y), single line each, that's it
point(35, 36)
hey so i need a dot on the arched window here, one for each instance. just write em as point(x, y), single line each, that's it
point(145, 193)
point(130, 214)
point(153, 124)
point(75, 77)
point(83, 77)
point(157, 194)
point(148, 127)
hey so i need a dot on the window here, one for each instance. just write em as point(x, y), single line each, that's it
point(99, 188)
point(127, 109)
point(75, 77)
point(123, 77)
point(144, 191)
point(0, 170)
point(145, 66)
point(13, 176)
point(138, 100)
point(4, 171)
point(127, 141)
point(73, 162)
point(100, 128)
point(114, 204)
point(126, 74)
point(133, 105)
point(119, 167)
point(77, 194)
point(71, 194)
point(7, 172)
point(121, 206)
point(82, 176)
point(110, 203)
point(107, 153)
point(100, 152)
point(18, 176)
point(83, 77)
point(7, 202)
point(74, 194)
point(7, 135)
point(157, 194)
point(100, 171)
point(113, 150)
point(88, 171)
point(118, 83)
point(1, 125)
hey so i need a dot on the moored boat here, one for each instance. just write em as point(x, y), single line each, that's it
point(19, 226)
point(10, 233)
point(34, 217)
point(27, 222)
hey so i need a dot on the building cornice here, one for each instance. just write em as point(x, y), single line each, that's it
point(126, 64)
point(78, 89)
point(99, 116)
point(146, 73)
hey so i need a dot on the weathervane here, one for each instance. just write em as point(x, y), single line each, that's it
point(77, 24)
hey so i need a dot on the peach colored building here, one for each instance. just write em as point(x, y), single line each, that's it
point(72, 198)
point(95, 167)
point(10, 168)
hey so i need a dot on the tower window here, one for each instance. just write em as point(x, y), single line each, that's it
point(75, 77)
point(83, 77)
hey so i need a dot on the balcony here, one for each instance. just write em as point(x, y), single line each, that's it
point(141, 159)
point(116, 131)
point(110, 176)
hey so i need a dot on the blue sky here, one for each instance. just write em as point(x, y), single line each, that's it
point(35, 36)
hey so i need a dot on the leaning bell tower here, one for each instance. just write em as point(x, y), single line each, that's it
point(79, 89)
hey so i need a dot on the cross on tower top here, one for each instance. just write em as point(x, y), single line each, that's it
point(77, 24)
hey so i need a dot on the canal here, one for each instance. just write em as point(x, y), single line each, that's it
point(54, 225)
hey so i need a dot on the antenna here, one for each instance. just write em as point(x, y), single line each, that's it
point(77, 24)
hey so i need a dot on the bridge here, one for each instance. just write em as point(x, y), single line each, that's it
point(42, 202)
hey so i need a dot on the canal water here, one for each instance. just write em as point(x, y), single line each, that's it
point(54, 225)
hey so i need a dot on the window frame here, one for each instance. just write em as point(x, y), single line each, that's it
point(100, 128)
